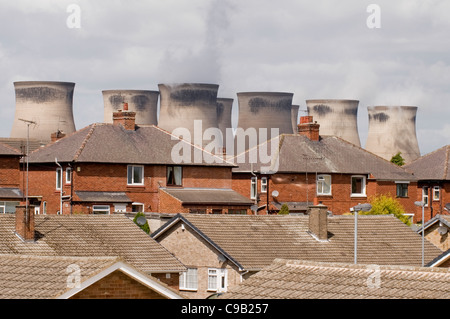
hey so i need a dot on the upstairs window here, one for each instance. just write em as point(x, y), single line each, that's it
point(358, 186)
point(135, 175)
point(436, 193)
point(58, 178)
point(425, 196)
point(68, 175)
point(402, 189)
point(263, 184)
point(323, 184)
point(174, 175)
point(188, 279)
point(253, 187)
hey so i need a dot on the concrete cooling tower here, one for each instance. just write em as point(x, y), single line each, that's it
point(224, 109)
point(294, 117)
point(182, 104)
point(49, 105)
point(143, 102)
point(392, 129)
point(265, 110)
point(336, 117)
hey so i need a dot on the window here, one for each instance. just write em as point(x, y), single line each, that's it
point(188, 279)
point(436, 192)
point(44, 208)
point(137, 207)
point(197, 210)
point(358, 186)
point(120, 208)
point(174, 175)
point(324, 185)
point(402, 189)
point(217, 211)
point(58, 178)
point(263, 184)
point(100, 209)
point(237, 211)
point(217, 279)
point(425, 195)
point(68, 175)
point(253, 185)
point(135, 175)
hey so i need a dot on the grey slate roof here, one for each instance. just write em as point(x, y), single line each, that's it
point(6, 149)
point(88, 236)
point(11, 192)
point(296, 279)
point(212, 196)
point(254, 241)
point(109, 143)
point(331, 154)
point(432, 166)
point(106, 197)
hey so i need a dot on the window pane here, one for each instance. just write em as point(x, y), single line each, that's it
point(357, 185)
point(191, 278)
point(130, 174)
point(212, 279)
point(137, 175)
point(58, 178)
point(177, 175)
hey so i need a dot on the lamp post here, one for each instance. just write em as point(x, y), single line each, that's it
point(422, 204)
point(360, 207)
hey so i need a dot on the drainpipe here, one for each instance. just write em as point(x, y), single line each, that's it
point(61, 184)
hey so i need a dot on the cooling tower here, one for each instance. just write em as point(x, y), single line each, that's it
point(265, 110)
point(143, 102)
point(224, 108)
point(336, 118)
point(182, 104)
point(294, 117)
point(48, 104)
point(392, 129)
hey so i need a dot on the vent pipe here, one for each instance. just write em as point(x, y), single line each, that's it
point(336, 118)
point(49, 104)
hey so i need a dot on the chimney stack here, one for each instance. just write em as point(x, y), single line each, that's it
point(308, 128)
point(25, 222)
point(125, 118)
point(318, 222)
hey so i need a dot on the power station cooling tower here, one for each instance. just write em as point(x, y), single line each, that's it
point(259, 110)
point(182, 104)
point(336, 118)
point(392, 129)
point(294, 117)
point(224, 109)
point(143, 102)
point(45, 107)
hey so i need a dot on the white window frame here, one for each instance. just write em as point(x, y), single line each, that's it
point(101, 208)
point(263, 184)
point(320, 182)
point(217, 279)
point(363, 186)
point(253, 187)
point(58, 178)
point(425, 196)
point(189, 279)
point(436, 191)
point(68, 175)
point(133, 182)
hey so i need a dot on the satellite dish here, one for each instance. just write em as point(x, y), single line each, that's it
point(141, 220)
point(442, 230)
point(275, 193)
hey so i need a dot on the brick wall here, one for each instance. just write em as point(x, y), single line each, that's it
point(117, 285)
point(10, 172)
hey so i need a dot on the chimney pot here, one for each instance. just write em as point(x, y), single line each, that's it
point(25, 222)
point(318, 224)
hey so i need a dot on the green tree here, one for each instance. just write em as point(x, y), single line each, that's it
point(397, 159)
point(383, 204)
point(145, 227)
point(284, 210)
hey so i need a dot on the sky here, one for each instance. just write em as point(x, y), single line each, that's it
point(395, 54)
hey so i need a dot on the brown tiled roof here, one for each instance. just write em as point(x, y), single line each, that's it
point(89, 235)
point(295, 279)
point(109, 143)
point(211, 196)
point(432, 166)
point(331, 154)
point(254, 241)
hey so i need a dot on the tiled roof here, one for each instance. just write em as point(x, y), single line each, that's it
point(6, 149)
point(432, 166)
point(10, 192)
point(109, 143)
point(295, 279)
point(89, 235)
point(43, 277)
point(105, 197)
point(254, 241)
point(331, 154)
point(211, 196)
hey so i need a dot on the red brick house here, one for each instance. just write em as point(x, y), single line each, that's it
point(433, 188)
point(122, 167)
point(308, 168)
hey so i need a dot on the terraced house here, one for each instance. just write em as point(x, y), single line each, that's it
point(121, 167)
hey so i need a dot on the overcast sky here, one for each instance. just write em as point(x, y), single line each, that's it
point(321, 49)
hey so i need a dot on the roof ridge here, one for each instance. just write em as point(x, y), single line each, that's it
point(86, 139)
point(446, 163)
